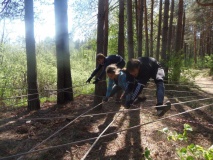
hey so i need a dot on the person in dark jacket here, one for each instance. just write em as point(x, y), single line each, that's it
point(140, 71)
point(103, 63)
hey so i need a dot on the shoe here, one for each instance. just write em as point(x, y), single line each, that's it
point(162, 110)
point(139, 99)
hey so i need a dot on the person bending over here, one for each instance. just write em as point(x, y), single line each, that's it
point(141, 70)
point(117, 82)
point(103, 63)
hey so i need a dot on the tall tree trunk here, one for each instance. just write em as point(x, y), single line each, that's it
point(151, 31)
point(33, 97)
point(146, 29)
point(179, 27)
point(177, 66)
point(165, 37)
point(121, 29)
point(64, 80)
point(195, 45)
point(100, 88)
point(136, 16)
point(159, 31)
point(140, 28)
point(3, 32)
point(170, 37)
point(183, 29)
point(106, 26)
point(130, 30)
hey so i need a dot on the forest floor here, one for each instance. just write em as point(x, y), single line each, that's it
point(20, 131)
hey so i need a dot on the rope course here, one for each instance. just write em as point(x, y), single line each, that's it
point(106, 113)
point(63, 128)
point(83, 115)
point(105, 135)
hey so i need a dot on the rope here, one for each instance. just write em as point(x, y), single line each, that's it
point(125, 111)
point(62, 128)
point(85, 155)
point(190, 121)
point(106, 135)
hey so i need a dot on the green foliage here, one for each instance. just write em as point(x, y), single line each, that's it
point(147, 154)
point(192, 151)
point(13, 74)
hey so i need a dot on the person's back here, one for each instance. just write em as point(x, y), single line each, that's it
point(104, 62)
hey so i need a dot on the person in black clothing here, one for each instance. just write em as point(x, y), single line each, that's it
point(140, 71)
point(103, 63)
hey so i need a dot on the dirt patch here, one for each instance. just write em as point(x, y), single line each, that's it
point(20, 130)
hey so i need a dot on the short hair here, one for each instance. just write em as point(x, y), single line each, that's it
point(112, 69)
point(132, 64)
point(100, 56)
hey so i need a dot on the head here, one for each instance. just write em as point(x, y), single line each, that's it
point(100, 58)
point(133, 67)
point(112, 71)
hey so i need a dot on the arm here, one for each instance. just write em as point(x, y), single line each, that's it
point(102, 73)
point(96, 71)
point(109, 88)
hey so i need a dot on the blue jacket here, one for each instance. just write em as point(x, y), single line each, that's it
point(121, 83)
point(112, 59)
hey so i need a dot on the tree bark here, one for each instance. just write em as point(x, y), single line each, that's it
point(121, 29)
point(100, 88)
point(183, 29)
point(106, 26)
point(195, 45)
point(64, 80)
point(159, 31)
point(130, 30)
point(170, 37)
point(140, 28)
point(33, 96)
point(151, 31)
point(146, 29)
point(164, 38)
point(179, 27)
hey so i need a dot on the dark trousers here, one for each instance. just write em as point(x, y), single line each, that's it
point(160, 86)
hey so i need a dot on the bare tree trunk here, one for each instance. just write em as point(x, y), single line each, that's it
point(121, 29)
point(165, 37)
point(100, 87)
point(146, 29)
point(64, 80)
point(159, 31)
point(130, 30)
point(33, 96)
point(179, 27)
point(170, 37)
point(195, 46)
point(140, 27)
point(3, 31)
point(177, 69)
point(183, 29)
point(106, 26)
point(151, 31)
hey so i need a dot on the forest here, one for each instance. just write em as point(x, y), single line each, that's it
point(48, 51)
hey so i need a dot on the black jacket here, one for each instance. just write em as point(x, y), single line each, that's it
point(112, 59)
point(148, 69)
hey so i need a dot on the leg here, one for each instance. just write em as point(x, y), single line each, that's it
point(160, 93)
point(160, 86)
